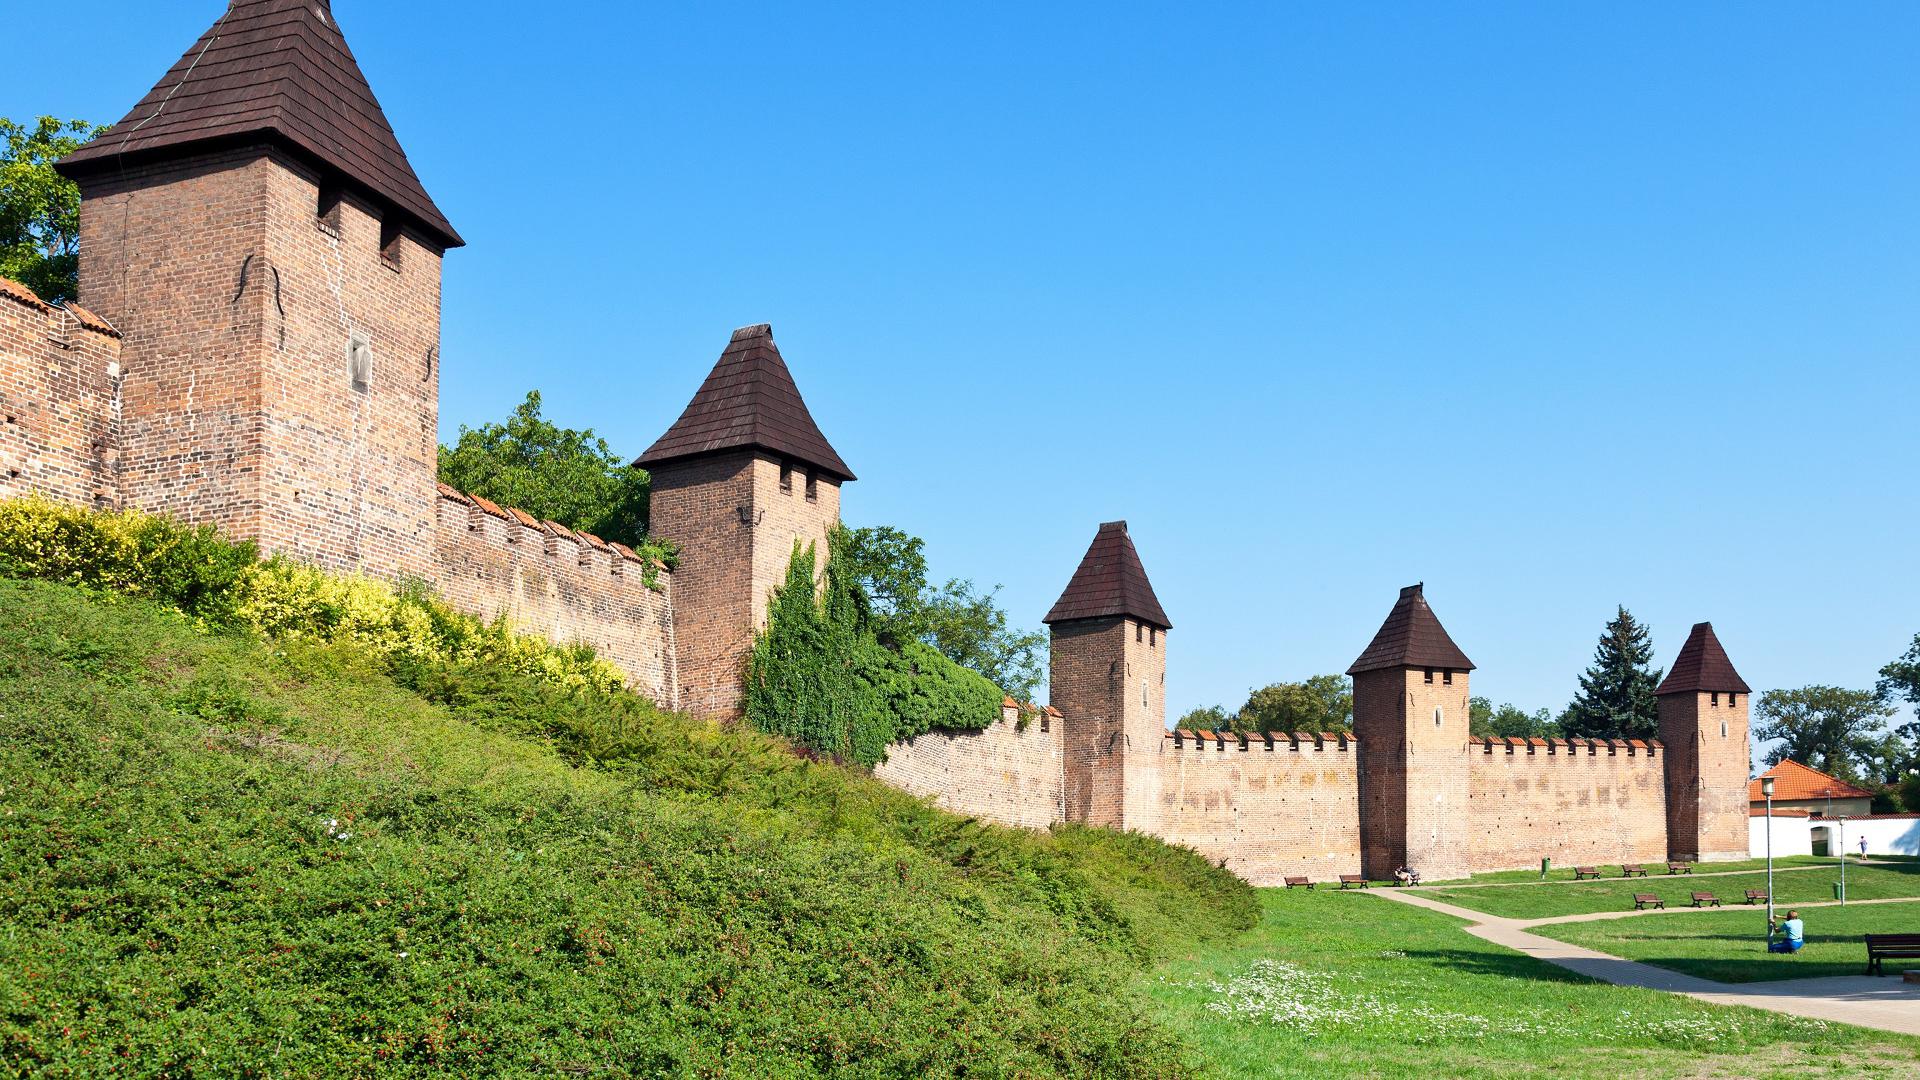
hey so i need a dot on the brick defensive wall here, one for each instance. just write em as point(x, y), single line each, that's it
point(1266, 806)
point(1576, 801)
point(1010, 772)
point(59, 401)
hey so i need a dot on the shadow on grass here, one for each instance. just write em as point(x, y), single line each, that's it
point(1504, 964)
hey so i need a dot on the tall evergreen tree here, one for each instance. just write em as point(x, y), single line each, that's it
point(1616, 698)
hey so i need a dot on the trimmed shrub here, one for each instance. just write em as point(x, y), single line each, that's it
point(224, 585)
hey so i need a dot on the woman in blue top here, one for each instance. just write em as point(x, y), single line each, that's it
point(1791, 934)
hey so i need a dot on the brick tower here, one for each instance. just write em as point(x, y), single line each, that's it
point(738, 480)
point(1410, 715)
point(1703, 722)
point(254, 230)
point(1109, 679)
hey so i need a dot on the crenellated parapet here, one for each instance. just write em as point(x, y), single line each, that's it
point(1268, 741)
point(1566, 748)
point(569, 586)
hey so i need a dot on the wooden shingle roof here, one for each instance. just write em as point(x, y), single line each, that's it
point(1110, 581)
point(749, 401)
point(1702, 666)
point(1411, 637)
point(280, 71)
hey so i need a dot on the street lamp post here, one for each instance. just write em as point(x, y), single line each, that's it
point(1766, 789)
point(1843, 860)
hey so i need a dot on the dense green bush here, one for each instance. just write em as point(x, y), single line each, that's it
point(224, 858)
point(225, 585)
point(820, 676)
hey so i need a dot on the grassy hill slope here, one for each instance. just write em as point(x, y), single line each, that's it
point(221, 856)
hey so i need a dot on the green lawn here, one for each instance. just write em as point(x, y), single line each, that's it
point(1338, 984)
point(1616, 894)
point(1654, 869)
point(1727, 946)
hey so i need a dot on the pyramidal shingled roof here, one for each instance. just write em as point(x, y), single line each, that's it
point(277, 70)
point(1702, 666)
point(1411, 637)
point(1109, 582)
point(749, 401)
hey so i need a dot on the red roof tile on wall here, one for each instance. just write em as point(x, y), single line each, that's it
point(1702, 666)
point(749, 401)
point(20, 294)
point(1411, 637)
point(1110, 581)
point(277, 70)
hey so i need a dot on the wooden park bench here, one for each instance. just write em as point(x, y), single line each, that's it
point(1679, 868)
point(1705, 899)
point(1349, 881)
point(1644, 900)
point(1890, 947)
point(1299, 881)
point(1581, 873)
point(1631, 870)
point(1755, 896)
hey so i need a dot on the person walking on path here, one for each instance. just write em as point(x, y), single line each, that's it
point(1791, 934)
point(1863, 847)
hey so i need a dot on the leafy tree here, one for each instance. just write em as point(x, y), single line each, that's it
point(553, 473)
point(1206, 718)
point(1900, 680)
point(1840, 732)
point(962, 622)
point(1321, 703)
point(39, 208)
point(1509, 721)
point(819, 675)
point(1616, 699)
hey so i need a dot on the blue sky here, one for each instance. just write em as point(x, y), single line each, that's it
point(1553, 307)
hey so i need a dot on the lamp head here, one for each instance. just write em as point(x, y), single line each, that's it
point(1766, 786)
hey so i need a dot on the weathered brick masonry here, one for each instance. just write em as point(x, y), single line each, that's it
point(1265, 806)
point(59, 397)
point(1578, 802)
point(1010, 772)
point(547, 579)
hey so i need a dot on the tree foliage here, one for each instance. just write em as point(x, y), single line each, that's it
point(1840, 732)
point(554, 473)
point(1616, 699)
point(957, 619)
point(821, 675)
point(39, 208)
point(1321, 703)
point(1509, 721)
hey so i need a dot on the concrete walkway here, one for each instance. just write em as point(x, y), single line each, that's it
point(1886, 1003)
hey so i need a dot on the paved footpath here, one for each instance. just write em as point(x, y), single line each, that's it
point(1885, 1002)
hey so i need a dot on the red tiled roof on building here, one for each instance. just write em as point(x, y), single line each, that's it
point(1110, 581)
point(749, 401)
point(1702, 666)
point(1411, 637)
point(279, 71)
point(1793, 781)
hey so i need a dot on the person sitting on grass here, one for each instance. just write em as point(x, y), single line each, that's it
point(1791, 934)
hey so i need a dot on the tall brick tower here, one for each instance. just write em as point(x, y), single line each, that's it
point(738, 480)
point(254, 230)
point(1703, 722)
point(1109, 679)
point(1410, 715)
